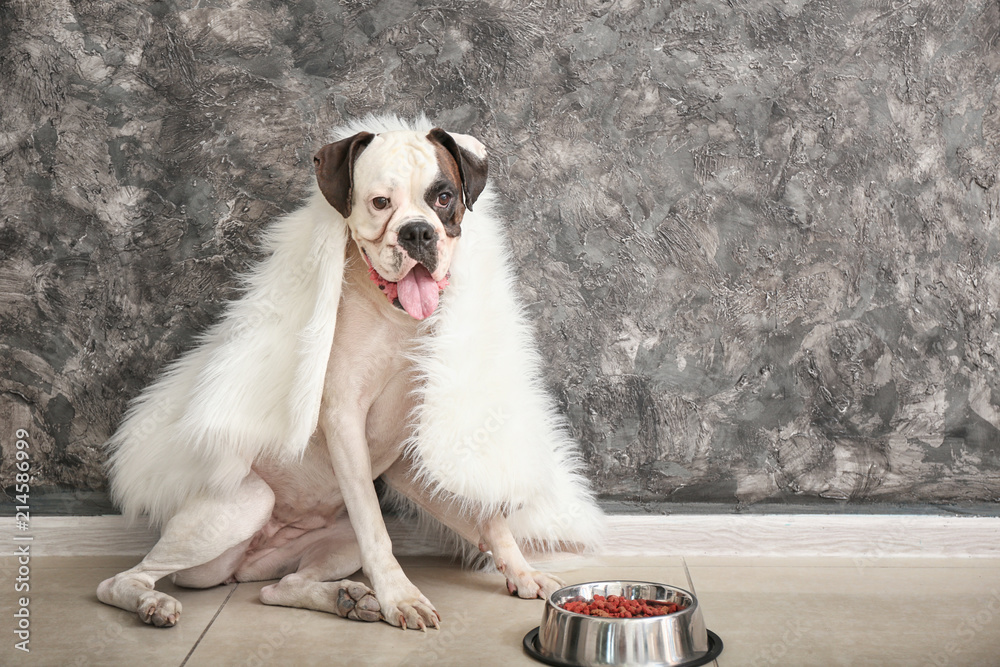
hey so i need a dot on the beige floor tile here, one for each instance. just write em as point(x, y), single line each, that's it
point(482, 625)
point(614, 562)
point(660, 569)
point(863, 616)
point(70, 627)
point(284, 636)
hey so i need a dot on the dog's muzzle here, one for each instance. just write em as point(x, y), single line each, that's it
point(417, 292)
point(419, 239)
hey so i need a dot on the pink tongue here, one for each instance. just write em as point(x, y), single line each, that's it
point(418, 293)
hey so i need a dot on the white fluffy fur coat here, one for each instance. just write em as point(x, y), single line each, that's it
point(485, 433)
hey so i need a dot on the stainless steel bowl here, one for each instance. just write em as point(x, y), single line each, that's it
point(575, 640)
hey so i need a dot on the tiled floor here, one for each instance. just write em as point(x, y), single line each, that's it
point(774, 611)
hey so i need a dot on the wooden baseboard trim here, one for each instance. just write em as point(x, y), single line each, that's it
point(807, 535)
point(792, 535)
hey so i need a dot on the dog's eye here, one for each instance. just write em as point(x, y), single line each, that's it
point(380, 203)
point(443, 199)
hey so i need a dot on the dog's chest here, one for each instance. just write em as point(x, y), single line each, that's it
point(369, 364)
point(368, 383)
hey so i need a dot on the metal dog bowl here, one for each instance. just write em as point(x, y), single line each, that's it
point(569, 639)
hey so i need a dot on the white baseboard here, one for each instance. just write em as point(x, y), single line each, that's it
point(854, 536)
point(810, 535)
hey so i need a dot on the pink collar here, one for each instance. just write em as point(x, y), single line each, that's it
point(389, 288)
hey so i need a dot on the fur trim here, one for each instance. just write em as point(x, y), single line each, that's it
point(485, 433)
point(252, 386)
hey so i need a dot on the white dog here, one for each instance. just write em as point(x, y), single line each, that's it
point(381, 337)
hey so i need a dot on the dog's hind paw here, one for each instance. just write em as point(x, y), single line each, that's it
point(345, 598)
point(159, 609)
point(358, 603)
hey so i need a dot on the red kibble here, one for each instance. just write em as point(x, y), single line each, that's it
point(615, 606)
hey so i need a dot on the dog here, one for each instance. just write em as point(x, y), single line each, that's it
point(380, 337)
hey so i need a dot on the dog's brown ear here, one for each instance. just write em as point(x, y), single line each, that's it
point(470, 155)
point(335, 170)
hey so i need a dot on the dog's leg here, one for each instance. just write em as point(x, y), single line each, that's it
point(402, 603)
point(522, 579)
point(320, 582)
point(491, 535)
point(203, 530)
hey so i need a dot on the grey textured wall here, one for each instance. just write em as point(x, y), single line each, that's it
point(760, 237)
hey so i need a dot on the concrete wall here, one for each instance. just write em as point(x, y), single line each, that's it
point(759, 237)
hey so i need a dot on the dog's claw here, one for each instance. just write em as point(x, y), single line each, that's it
point(412, 614)
point(159, 610)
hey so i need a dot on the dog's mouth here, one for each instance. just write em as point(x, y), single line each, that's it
point(417, 292)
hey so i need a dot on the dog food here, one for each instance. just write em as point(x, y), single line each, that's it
point(615, 606)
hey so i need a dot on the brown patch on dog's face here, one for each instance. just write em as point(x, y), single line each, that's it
point(411, 191)
point(393, 177)
point(470, 157)
point(444, 195)
point(335, 170)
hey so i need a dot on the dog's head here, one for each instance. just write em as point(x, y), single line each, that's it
point(403, 195)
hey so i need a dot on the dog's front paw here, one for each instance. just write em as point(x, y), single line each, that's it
point(159, 609)
point(530, 584)
point(410, 610)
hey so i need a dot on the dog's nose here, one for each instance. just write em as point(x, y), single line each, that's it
point(419, 240)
